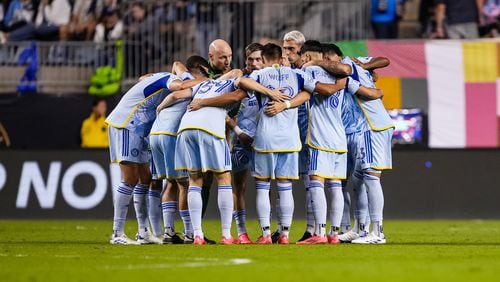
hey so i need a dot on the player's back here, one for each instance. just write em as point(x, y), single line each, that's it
point(326, 131)
point(136, 110)
point(374, 111)
point(280, 132)
point(209, 119)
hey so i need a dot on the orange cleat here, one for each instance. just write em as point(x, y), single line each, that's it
point(314, 240)
point(334, 239)
point(283, 240)
point(264, 240)
point(227, 241)
point(243, 239)
point(199, 241)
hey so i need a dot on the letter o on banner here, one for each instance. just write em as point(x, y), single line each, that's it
point(3, 176)
point(68, 190)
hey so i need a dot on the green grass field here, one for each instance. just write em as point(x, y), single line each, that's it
point(416, 251)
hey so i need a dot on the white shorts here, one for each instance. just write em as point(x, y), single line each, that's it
point(276, 165)
point(199, 151)
point(328, 165)
point(374, 150)
point(126, 146)
point(163, 151)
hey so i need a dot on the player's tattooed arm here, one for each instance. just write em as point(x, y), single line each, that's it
point(374, 63)
point(330, 88)
point(251, 85)
point(220, 101)
point(273, 108)
point(334, 68)
point(173, 97)
point(369, 93)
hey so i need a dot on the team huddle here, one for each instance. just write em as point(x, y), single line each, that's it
point(297, 111)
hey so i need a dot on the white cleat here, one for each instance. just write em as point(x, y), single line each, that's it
point(348, 237)
point(122, 240)
point(371, 239)
point(148, 239)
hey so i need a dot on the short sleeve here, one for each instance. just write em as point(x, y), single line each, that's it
point(307, 81)
point(353, 85)
point(171, 79)
point(186, 76)
point(364, 60)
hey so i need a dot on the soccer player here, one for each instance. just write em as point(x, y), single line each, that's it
point(129, 125)
point(163, 138)
point(201, 146)
point(242, 152)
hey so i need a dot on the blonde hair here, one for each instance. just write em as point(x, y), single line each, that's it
point(296, 36)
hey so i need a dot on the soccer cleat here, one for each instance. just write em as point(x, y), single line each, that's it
point(227, 241)
point(148, 239)
point(314, 240)
point(275, 236)
point(306, 236)
point(174, 239)
point(264, 240)
point(199, 241)
point(371, 238)
point(348, 236)
point(283, 240)
point(243, 239)
point(122, 240)
point(209, 242)
point(188, 239)
point(334, 239)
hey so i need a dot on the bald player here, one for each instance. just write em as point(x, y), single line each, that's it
point(220, 55)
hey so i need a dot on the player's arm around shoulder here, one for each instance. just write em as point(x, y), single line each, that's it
point(337, 69)
point(330, 88)
point(173, 97)
point(273, 108)
point(220, 101)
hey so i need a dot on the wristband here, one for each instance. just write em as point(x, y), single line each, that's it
point(288, 105)
point(237, 130)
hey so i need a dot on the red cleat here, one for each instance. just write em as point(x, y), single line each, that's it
point(226, 241)
point(243, 239)
point(334, 239)
point(314, 240)
point(283, 240)
point(264, 240)
point(199, 241)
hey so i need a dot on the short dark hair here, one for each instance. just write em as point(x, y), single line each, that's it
point(196, 63)
point(271, 52)
point(329, 48)
point(311, 46)
point(253, 47)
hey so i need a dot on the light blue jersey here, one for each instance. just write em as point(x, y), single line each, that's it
point(326, 131)
point(280, 133)
point(208, 119)
point(136, 111)
point(168, 120)
point(374, 111)
point(248, 115)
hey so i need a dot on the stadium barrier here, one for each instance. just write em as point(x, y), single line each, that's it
point(80, 184)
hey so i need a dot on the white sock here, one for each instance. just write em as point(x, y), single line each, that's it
point(375, 201)
point(141, 207)
point(263, 206)
point(225, 201)
point(195, 204)
point(154, 212)
point(240, 217)
point(169, 208)
point(361, 210)
point(122, 200)
point(345, 224)
point(318, 202)
point(186, 219)
point(310, 223)
point(334, 188)
point(286, 206)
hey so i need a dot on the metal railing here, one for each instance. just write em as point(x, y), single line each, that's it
point(173, 30)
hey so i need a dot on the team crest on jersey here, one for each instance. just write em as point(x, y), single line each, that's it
point(134, 152)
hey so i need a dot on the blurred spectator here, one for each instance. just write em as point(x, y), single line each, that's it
point(51, 22)
point(427, 19)
point(84, 19)
point(94, 132)
point(385, 15)
point(490, 23)
point(111, 27)
point(207, 27)
point(461, 17)
point(14, 14)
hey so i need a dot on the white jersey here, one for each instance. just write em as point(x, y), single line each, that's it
point(136, 111)
point(326, 131)
point(374, 111)
point(208, 119)
point(280, 133)
point(248, 115)
point(168, 120)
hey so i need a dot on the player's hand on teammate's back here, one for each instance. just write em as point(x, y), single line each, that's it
point(195, 105)
point(274, 108)
point(277, 95)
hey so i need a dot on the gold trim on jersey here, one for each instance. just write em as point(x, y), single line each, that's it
point(163, 133)
point(202, 129)
point(276, 177)
point(329, 177)
point(381, 168)
point(369, 120)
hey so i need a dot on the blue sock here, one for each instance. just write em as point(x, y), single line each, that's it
point(240, 217)
point(186, 219)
